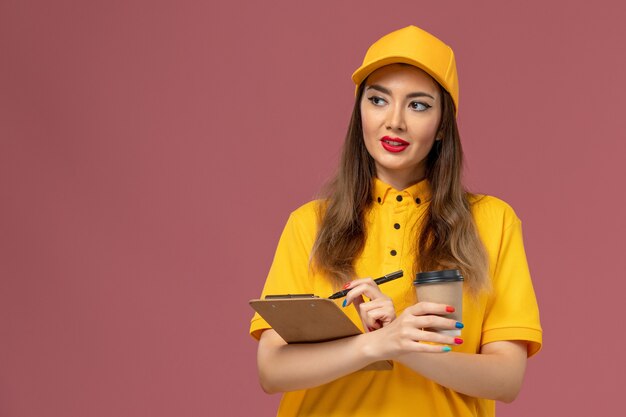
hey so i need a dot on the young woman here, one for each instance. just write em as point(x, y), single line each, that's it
point(398, 203)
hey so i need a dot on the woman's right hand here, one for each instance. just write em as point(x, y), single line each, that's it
point(405, 334)
point(376, 313)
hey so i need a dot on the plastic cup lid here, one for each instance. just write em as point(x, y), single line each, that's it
point(430, 277)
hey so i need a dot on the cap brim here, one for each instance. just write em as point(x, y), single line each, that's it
point(363, 72)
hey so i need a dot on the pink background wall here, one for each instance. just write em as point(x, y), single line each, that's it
point(150, 152)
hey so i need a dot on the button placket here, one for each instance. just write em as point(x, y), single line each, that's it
point(398, 218)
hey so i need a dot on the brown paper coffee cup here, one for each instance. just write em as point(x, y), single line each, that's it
point(444, 287)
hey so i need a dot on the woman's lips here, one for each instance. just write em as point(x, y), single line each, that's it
point(394, 145)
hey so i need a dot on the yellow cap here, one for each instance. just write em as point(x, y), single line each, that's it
point(417, 47)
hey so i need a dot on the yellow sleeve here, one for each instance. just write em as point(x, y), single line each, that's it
point(512, 312)
point(290, 273)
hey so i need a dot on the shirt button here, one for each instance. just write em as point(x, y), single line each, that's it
point(417, 200)
point(379, 199)
point(399, 198)
point(393, 252)
point(396, 226)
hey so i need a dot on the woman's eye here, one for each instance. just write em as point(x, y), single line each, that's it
point(419, 106)
point(376, 101)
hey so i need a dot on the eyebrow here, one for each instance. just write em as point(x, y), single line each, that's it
point(410, 95)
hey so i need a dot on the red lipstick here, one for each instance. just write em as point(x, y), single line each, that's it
point(394, 145)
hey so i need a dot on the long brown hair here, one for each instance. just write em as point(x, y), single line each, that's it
point(447, 238)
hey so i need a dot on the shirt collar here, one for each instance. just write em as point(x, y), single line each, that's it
point(420, 192)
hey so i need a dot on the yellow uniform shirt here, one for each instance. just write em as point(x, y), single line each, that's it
point(508, 312)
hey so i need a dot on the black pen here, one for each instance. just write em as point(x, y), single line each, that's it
point(378, 281)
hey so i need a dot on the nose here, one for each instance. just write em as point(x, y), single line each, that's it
point(395, 118)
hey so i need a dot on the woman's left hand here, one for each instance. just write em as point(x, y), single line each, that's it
point(376, 313)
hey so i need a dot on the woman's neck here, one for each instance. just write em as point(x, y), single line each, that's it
point(400, 181)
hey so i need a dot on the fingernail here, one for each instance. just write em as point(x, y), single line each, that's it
point(458, 340)
point(450, 309)
point(347, 285)
point(346, 302)
point(446, 349)
point(459, 325)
